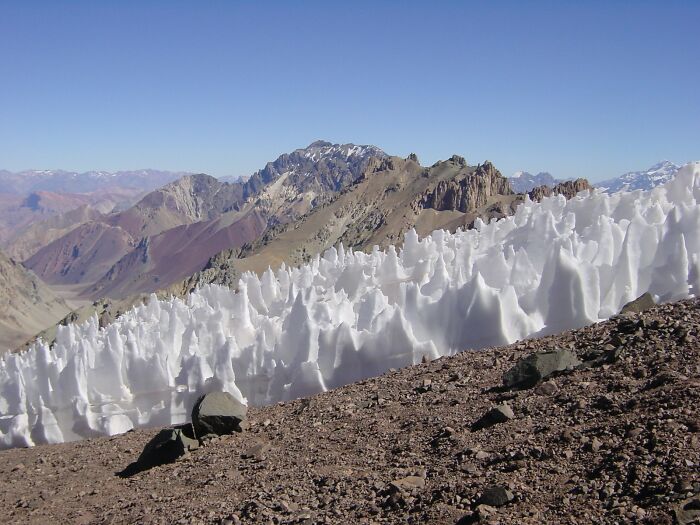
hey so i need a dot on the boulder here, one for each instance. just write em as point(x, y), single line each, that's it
point(168, 445)
point(532, 369)
point(408, 484)
point(688, 511)
point(257, 451)
point(496, 415)
point(641, 303)
point(496, 496)
point(218, 413)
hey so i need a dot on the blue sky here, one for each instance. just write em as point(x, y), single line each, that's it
point(222, 87)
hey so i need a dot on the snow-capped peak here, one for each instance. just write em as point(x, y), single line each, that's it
point(322, 149)
point(659, 173)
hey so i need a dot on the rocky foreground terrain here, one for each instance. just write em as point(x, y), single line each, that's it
point(615, 440)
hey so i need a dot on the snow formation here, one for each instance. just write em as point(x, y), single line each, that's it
point(349, 315)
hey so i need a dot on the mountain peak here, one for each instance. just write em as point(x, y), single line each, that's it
point(319, 144)
point(659, 173)
point(664, 165)
point(523, 181)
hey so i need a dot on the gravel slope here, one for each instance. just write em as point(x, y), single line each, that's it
point(614, 443)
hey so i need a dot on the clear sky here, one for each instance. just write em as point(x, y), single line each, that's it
point(222, 87)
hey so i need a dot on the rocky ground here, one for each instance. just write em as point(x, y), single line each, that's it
point(614, 441)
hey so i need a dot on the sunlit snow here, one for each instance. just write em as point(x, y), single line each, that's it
point(350, 315)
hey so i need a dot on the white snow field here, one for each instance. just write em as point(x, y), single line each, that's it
point(348, 315)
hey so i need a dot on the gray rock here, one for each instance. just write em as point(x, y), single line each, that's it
point(496, 415)
point(641, 303)
point(532, 369)
point(688, 511)
point(258, 451)
point(496, 496)
point(168, 445)
point(218, 413)
point(408, 484)
point(546, 389)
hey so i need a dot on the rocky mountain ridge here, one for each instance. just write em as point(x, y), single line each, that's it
point(568, 189)
point(466, 192)
point(393, 196)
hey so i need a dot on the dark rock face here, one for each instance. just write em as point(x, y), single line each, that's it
point(641, 303)
point(568, 189)
point(530, 370)
point(218, 413)
point(468, 191)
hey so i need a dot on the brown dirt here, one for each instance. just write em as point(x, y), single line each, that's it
point(616, 443)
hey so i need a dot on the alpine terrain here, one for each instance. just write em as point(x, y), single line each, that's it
point(641, 180)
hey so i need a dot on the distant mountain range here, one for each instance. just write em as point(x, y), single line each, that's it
point(31, 202)
point(523, 182)
point(173, 231)
point(660, 173)
point(60, 181)
point(641, 180)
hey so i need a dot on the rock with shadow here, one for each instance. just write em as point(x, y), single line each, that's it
point(168, 445)
point(530, 370)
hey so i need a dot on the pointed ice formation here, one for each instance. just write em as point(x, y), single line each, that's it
point(347, 315)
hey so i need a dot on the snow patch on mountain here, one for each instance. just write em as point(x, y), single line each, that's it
point(322, 149)
point(347, 315)
point(658, 174)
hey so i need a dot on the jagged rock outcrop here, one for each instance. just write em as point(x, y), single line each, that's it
point(568, 188)
point(467, 191)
